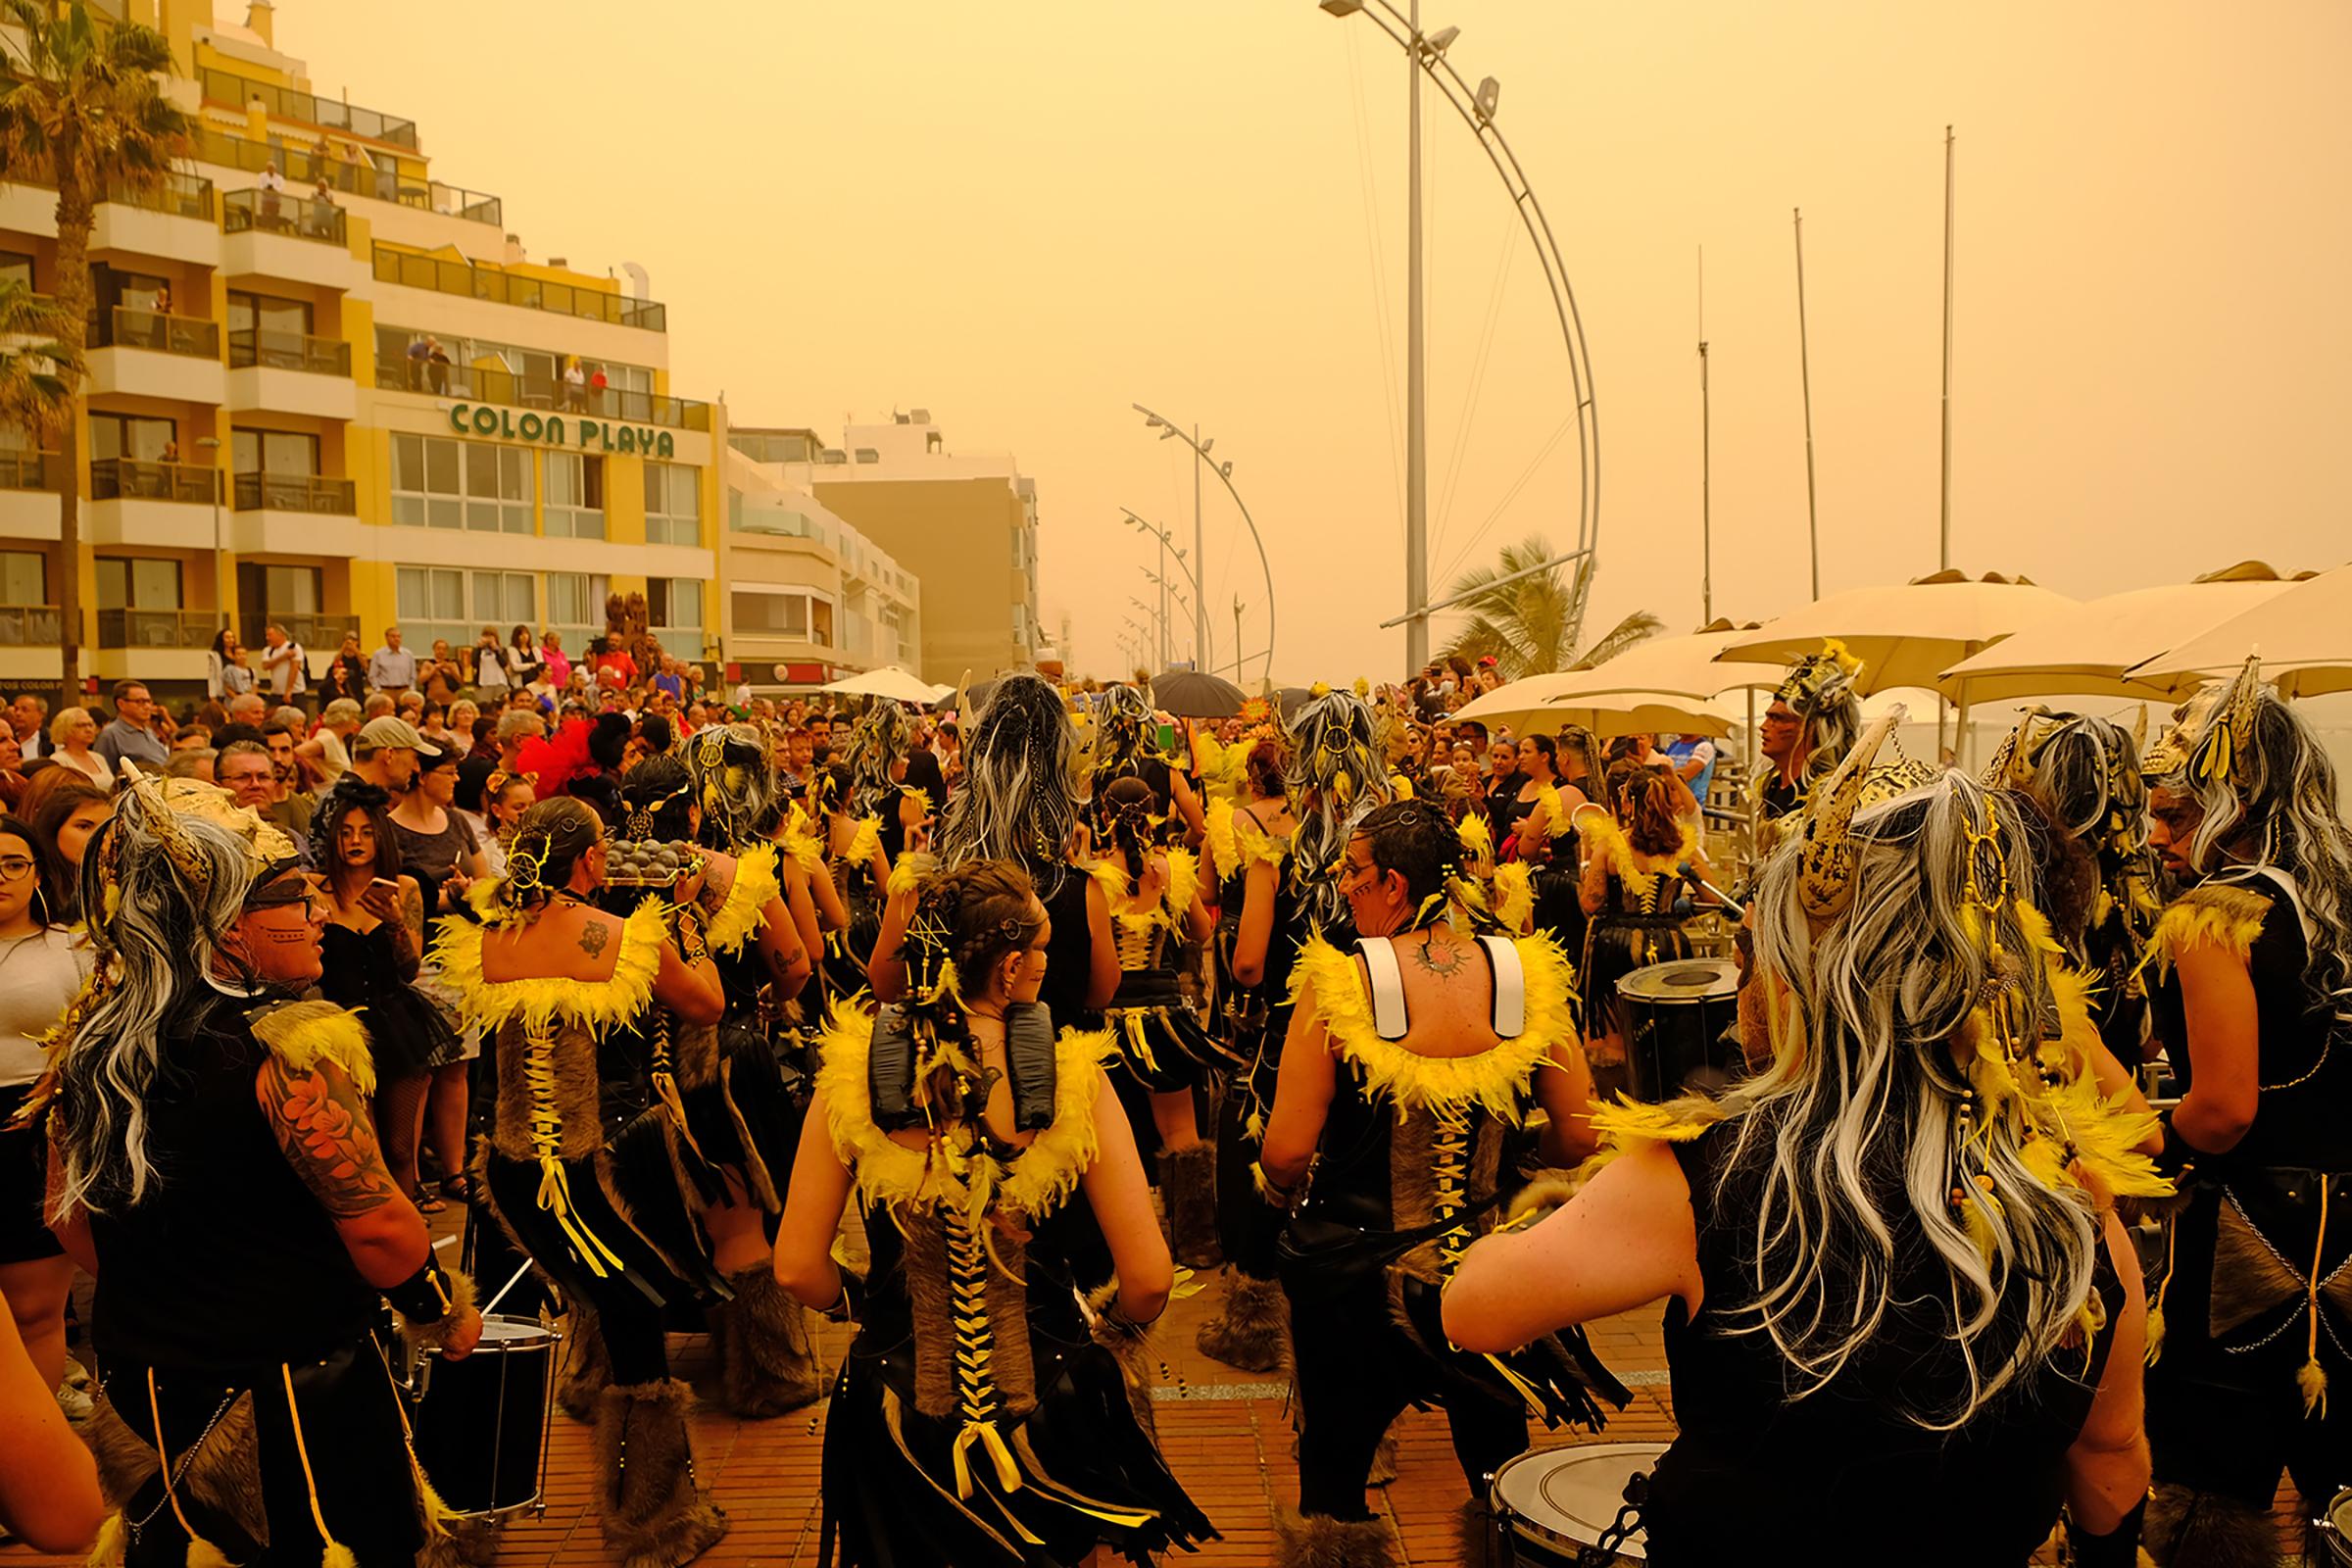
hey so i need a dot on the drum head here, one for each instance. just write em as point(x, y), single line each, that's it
point(1683, 980)
point(501, 1335)
point(2338, 1533)
point(1570, 1496)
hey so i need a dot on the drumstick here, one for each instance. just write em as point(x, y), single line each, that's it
point(1739, 909)
point(504, 1289)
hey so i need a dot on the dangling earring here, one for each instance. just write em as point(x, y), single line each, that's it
point(40, 905)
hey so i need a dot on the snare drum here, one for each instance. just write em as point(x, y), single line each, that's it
point(481, 1423)
point(1553, 1507)
point(1681, 1026)
point(2336, 1528)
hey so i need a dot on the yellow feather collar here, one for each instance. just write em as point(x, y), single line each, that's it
point(1184, 883)
point(1514, 895)
point(539, 1004)
point(865, 842)
point(1496, 1079)
point(745, 910)
point(2229, 917)
point(1607, 843)
point(1035, 1180)
point(801, 842)
point(1224, 857)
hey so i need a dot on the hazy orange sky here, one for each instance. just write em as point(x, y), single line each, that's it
point(1024, 217)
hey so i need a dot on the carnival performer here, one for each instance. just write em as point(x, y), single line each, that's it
point(876, 753)
point(371, 948)
point(1125, 747)
point(1409, 1060)
point(703, 1167)
point(212, 1164)
point(1641, 859)
point(1813, 721)
point(2254, 1012)
point(1019, 803)
point(741, 808)
point(1897, 1305)
point(861, 872)
point(983, 1416)
point(2083, 777)
point(1165, 1054)
point(1292, 890)
point(545, 975)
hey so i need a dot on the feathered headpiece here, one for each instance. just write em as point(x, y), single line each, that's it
point(1830, 853)
point(1820, 680)
point(2211, 733)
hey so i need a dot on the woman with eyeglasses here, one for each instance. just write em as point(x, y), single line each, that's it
point(41, 969)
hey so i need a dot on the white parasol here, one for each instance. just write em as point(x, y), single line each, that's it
point(1906, 635)
point(2085, 649)
point(887, 681)
point(2304, 635)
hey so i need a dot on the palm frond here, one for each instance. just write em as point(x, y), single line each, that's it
point(1637, 627)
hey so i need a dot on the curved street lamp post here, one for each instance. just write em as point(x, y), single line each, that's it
point(1168, 430)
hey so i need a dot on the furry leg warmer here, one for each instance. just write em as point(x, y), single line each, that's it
point(655, 1515)
point(1475, 1544)
point(587, 1369)
point(1254, 1331)
point(2185, 1528)
point(1318, 1541)
point(766, 1351)
point(1188, 1190)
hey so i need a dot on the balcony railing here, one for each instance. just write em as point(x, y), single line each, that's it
point(306, 165)
point(292, 103)
point(295, 492)
point(122, 479)
point(179, 196)
point(412, 271)
point(498, 384)
point(319, 635)
point(28, 471)
point(29, 626)
point(126, 327)
point(283, 213)
point(157, 629)
point(289, 351)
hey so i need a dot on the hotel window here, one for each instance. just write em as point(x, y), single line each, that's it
point(439, 483)
point(431, 604)
point(142, 438)
point(575, 495)
point(674, 503)
point(674, 613)
point(793, 613)
point(137, 582)
point(23, 577)
point(16, 268)
point(281, 451)
point(503, 601)
point(575, 606)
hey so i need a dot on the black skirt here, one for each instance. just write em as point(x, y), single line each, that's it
point(24, 1179)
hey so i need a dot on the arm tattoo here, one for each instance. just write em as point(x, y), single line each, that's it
point(323, 1129)
point(593, 937)
point(412, 910)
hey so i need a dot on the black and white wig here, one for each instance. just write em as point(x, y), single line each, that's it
point(882, 737)
point(1337, 776)
point(1017, 801)
point(735, 785)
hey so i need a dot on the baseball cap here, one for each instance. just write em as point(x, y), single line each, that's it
point(395, 734)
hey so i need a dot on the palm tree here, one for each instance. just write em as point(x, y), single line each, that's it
point(81, 109)
point(36, 393)
point(1531, 623)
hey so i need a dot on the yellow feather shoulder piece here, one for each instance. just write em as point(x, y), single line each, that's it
point(303, 1033)
point(913, 869)
point(885, 1172)
point(1495, 1080)
point(1110, 876)
point(1224, 855)
point(2105, 1132)
point(1514, 895)
point(1629, 1120)
point(1555, 815)
point(1606, 843)
point(866, 839)
point(2229, 917)
point(1261, 848)
point(1477, 836)
point(1184, 883)
point(745, 909)
point(596, 1004)
point(800, 842)
point(1047, 1172)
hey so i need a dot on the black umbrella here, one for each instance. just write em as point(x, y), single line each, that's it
point(1291, 698)
point(979, 695)
point(1193, 694)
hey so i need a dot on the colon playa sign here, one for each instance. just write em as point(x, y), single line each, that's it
point(553, 429)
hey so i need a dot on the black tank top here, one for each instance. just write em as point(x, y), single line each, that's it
point(1755, 1476)
point(229, 1262)
point(1069, 951)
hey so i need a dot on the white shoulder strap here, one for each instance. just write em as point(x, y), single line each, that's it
point(1510, 987)
point(1388, 985)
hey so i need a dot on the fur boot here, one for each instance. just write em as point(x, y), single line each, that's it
point(587, 1371)
point(1188, 1190)
point(1384, 1460)
point(1318, 1541)
point(1254, 1331)
point(1474, 1546)
point(2187, 1529)
point(766, 1354)
point(655, 1515)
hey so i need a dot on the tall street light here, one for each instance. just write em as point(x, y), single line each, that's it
point(1426, 54)
point(1168, 430)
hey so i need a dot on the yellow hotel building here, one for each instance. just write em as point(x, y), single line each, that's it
point(346, 402)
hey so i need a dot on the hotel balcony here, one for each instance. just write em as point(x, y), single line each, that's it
point(158, 628)
point(174, 220)
point(29, 626)
point(282, 236)
point(29, 502)
point(144, 354)
point(306, 166)
point(295, 492)
point(169, 506)
point(475, 383)
point(412, 270)
point(318, 634)
point(295, 514)
point(308, 109)
point(291, 372)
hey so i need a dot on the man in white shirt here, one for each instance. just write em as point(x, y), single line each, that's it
point(391, 667)
point(283, 664)
point(29, 716)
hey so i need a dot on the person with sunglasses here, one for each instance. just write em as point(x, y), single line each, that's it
point(213, 1164)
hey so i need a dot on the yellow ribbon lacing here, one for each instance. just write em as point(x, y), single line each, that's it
point(976, 1346)
point(302, 1452)
point(547, 1133)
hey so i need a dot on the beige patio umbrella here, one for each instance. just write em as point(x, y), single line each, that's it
point(1608, 713)
point(1905, 635)
point(2304, 635)
point(1694, 664)
point(2085, 649)
point(889, 681)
